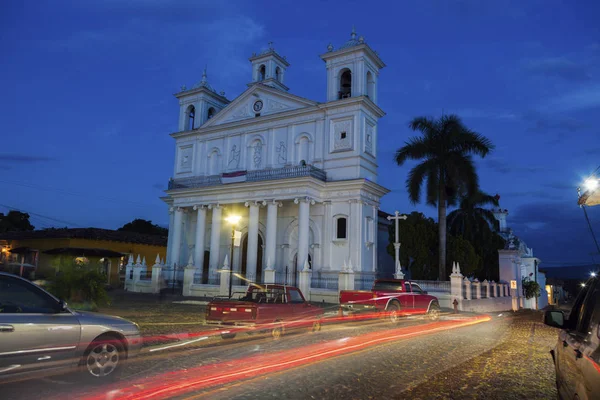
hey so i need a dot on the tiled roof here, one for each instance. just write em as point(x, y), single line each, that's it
point(87, 233)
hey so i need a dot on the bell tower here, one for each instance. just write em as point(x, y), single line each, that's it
point(352, 70)
point(268, 68)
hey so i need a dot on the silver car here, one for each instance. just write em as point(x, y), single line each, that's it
point(40, 335)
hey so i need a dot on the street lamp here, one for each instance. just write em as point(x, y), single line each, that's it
point(233, 220)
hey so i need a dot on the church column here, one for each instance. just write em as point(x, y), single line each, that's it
point(327, 235)
point(200, 231)
point(303, 230)
point(271, 240)
point(215, 239)
point(177, 230)
point(252, 240)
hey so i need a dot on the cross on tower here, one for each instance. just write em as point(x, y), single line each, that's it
point(270, 45)
point(398, 273)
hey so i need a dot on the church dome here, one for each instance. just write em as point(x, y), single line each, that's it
point(204, 83)
point(353, 40)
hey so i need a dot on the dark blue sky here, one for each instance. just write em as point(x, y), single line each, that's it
point(87, 107)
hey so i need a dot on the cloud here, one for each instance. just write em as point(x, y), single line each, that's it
point(24, 159)
point(533, 193)
point(558, 67)
point(559, 186)
point(485, 114)
point(557, 231)
point(502, 166)
point(584, 98)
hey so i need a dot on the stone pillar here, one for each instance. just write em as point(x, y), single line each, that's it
point(177, 230)
point(268, 275)
point(129, 273)
point(303, 230)
point(137, 269)
point(327, 236)
point(485, 285)
point(224, 281)
point(200, 233)
point(271, 239)
point(156, 275)
point(456, 282)
point(346, 280)
point(252, 240)
point(493, 292)
point(477, 287)
point(215, 239)
point(304, 282)
point(467, 284)
point(506, 290)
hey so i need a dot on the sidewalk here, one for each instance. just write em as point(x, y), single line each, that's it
point(520, 367)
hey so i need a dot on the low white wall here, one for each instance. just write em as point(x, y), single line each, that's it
point(199, 290)
point(143, 287)
point(491, 304)
point(445, 299)
point(327, 295)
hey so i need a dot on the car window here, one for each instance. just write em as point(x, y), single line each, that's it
point(407, 287)
point(573, 320)
point(590, 304)
point(416, 288)
point(387, 286)
point(295, 296)
point(17, 296)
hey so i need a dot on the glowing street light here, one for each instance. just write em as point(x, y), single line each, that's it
point(583, 285)
point(233, 220)
point(593, 274)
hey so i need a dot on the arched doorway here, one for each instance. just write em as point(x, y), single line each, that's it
point(295, 268)
point(206, 267)
point(259, 258)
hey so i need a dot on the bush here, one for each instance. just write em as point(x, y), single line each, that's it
point(83, 288)
point(531, 288)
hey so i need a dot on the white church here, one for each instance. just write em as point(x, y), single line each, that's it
point(301, 174)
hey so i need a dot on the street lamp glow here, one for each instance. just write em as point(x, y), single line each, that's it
point(591, 184)
point(583, 285)
point(233, 219)
point(593, 274)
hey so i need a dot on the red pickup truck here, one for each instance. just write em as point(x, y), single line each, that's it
point(266, 307)
point(394, 296)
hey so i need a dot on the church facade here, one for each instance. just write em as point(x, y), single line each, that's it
point(301, 174)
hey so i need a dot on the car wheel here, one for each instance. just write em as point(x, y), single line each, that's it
point(434, 312)
point(393, 312)
point(104, 358)
point(227, 335)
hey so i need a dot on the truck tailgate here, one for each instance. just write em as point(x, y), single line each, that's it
point(356, 297)
point(231, 311)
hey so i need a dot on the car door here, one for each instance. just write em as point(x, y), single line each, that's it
point(407, 298)
point(574, 341)
point(421, 302)
point(589, 364)
point(34, 332)
point(300, 308)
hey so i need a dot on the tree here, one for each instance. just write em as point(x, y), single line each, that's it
point(144, 226)
point(479, 226)
point(462, 251)
point(15, 221)
point(419, 243)
point(444, 151)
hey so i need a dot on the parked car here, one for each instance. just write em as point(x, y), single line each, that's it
point(266, 307)
point(397, 297)
point(40, 335)
point(577, 352)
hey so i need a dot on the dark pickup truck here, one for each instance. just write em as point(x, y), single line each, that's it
point(394, 296)
point(267, 307)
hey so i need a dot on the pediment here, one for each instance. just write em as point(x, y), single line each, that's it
point(266, 99)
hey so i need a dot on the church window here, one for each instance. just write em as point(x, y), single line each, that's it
point(345, 84)
point(343, 135)
point(191, 116)
point(341, 228)
point(262, 71)
point(370, 86)
point(278, 74)
point(211, 113)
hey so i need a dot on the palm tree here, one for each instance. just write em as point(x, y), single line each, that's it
point(471, 219)
point(444, 151)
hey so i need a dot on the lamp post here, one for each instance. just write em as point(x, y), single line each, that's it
point(233, 220)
